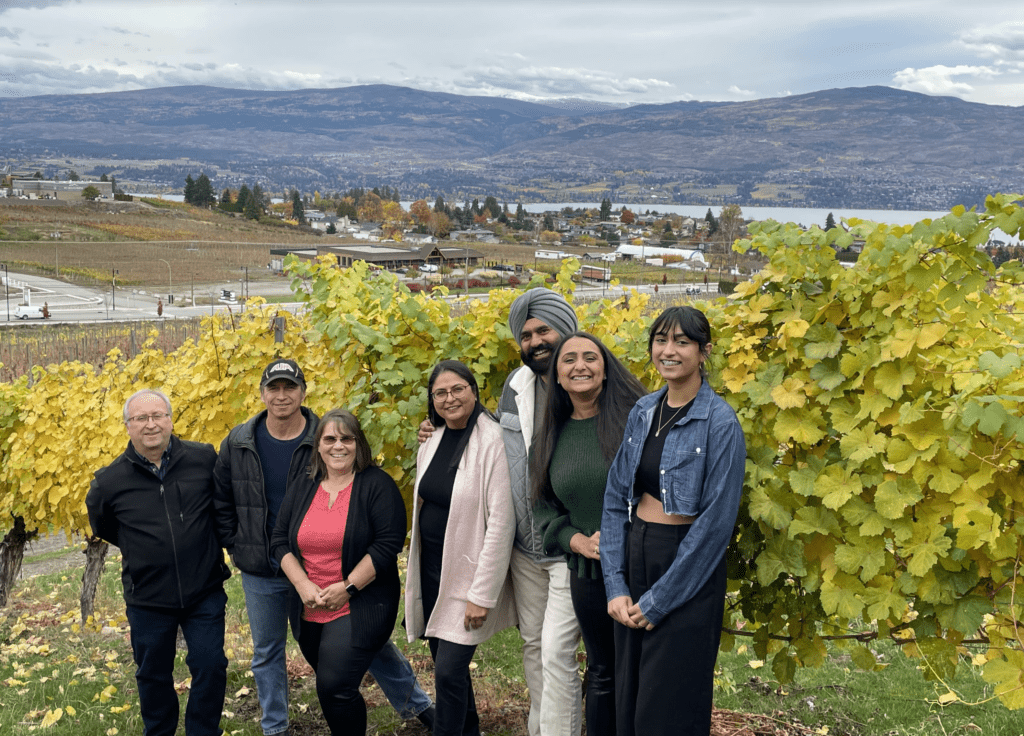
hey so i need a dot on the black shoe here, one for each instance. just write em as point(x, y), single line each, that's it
point(427, 718)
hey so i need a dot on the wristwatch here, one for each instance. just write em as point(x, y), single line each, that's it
point(352, 590)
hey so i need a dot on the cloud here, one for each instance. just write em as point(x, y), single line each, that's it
point(733, 89)
point(938, 80)
point(125, 31)
point(10, 33)
point(1003, 43)
point(537, 82)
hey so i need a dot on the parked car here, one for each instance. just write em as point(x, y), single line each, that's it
point(428, 268)
point(25, 312)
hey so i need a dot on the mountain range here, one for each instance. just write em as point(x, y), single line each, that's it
point(873, 147)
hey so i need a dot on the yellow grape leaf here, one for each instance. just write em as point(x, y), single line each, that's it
point(791, 394)
point(51, 718)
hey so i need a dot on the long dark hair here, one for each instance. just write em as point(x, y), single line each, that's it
point(347, 421)
point(459, 369)
point(693, 323)
point(620, 392)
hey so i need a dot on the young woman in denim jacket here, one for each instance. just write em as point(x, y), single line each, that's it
point(669, 511)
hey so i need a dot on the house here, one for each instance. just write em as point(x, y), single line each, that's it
point(688, 255)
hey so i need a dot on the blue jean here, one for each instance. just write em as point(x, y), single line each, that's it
point(398, 682)
point(268, 602)
point(154, 635)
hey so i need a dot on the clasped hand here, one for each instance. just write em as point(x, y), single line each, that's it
point(628, 613)
point(331, 598)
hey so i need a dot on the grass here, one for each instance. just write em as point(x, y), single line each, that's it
point(895, 701)
point(50, 665)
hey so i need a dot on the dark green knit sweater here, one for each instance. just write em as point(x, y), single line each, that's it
point(578, 475)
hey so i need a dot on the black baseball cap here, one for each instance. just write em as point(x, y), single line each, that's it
point(286, 369)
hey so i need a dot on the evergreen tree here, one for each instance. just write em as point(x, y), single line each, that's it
point(190, 190)
point(113, 186)
point(830, 222)
point(347, 208)
point(103, 177)
point(606, 210)
point(259, 198)
point(204, 195)
point(549, 222)
point(225, 197)
point(709, 218)
point(298, 210)
point(439, 205)
point(491, 208)
point(475, 208)
point(243, 197)
point(73, 175)
point(331, 229)
point(251, 209)
point(520, 213)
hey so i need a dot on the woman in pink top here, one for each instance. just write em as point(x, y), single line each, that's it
point(337, 539)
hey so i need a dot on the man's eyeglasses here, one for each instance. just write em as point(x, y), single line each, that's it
point(330, 439)
point(147, 418)
point(456, 391)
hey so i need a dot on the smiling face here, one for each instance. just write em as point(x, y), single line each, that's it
point(580, 369)
point(536, 343)
point(151, 437)
point(457, 402)
point(282, 398)
point(337, 449)
point(676, 357)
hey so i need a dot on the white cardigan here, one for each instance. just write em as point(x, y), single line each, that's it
point(477, 547)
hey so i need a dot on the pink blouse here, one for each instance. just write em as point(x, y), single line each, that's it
point(320, 540)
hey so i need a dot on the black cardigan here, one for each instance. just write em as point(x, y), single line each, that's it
point(376, 526)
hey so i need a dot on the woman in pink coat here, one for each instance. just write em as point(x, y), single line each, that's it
point(458, 590)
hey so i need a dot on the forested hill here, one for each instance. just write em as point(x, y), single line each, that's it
point(856, 147)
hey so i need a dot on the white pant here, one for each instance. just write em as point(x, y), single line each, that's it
point(551, 636)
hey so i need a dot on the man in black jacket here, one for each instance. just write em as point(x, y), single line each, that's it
point(155, 502)
point(259, 462)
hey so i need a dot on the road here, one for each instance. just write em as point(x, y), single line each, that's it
point(72, 303)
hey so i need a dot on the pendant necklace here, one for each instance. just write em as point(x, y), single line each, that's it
point(672, 417)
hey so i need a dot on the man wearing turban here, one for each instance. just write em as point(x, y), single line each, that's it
point(539, 318)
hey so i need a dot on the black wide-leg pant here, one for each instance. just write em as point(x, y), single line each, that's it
point(664, 678)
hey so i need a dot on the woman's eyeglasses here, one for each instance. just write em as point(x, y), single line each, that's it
point(456, 391)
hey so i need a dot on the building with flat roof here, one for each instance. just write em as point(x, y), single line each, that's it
point(62, 190)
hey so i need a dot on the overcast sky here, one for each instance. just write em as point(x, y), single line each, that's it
point(622, 52)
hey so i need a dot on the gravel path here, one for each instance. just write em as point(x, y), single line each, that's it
point(71, 556)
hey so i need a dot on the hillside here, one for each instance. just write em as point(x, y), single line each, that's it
point(857, 147)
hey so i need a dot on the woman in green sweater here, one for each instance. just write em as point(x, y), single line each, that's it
point(590, 396)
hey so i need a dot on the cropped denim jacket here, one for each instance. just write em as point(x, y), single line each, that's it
point(702, 468)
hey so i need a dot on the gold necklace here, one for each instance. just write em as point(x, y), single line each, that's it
point(671, 418)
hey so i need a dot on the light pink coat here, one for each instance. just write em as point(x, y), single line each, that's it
point(478, 543)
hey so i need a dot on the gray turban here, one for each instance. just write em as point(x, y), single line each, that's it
point(550, 308)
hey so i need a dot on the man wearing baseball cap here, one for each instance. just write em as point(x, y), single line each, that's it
point(259, 461)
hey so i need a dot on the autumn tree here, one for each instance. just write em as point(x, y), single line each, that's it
point(626, 217)
point(420, 212)
point(371, 208)
point(730, 223)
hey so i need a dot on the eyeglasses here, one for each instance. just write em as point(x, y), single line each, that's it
point(456, 391)
point(147, 418)
point(345, 439)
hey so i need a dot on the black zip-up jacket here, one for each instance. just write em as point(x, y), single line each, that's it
point(170, 554)
point(240, 497)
